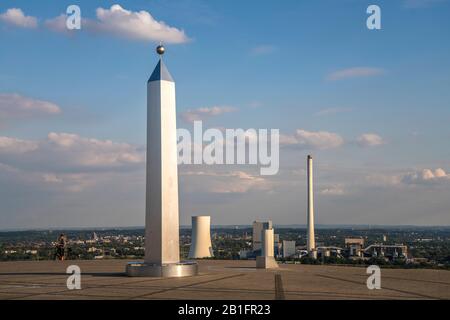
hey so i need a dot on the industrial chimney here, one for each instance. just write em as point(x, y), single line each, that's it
point(311, 243)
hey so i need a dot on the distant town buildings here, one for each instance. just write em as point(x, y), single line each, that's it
point(289, 245)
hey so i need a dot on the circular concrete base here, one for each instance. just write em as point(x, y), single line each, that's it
point(180, 269)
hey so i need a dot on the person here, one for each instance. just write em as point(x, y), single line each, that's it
point(61, 247)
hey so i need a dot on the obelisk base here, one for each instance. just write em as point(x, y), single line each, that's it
point(181, 269)
point(266, 263)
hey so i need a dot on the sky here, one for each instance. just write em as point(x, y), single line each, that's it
point(371, 106)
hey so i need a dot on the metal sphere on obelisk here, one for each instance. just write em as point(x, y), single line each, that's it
point(160, 49)
point(162, 251)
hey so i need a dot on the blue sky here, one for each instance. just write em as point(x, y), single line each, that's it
point(293, 65)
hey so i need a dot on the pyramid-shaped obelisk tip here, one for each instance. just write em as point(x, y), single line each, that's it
point(160, 72)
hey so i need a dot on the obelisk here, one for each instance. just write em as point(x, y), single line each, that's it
point(162, 253)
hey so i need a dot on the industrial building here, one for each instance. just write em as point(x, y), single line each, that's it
point(289, 249)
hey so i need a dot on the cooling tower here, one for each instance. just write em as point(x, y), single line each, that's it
point(201, 238)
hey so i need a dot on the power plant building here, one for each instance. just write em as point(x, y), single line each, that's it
point(288, 248)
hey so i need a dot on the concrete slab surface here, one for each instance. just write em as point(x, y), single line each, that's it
point(218, 279)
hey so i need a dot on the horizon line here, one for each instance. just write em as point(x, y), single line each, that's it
point(232, 226)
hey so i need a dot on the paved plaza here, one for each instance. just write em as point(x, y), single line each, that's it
point(218, 279)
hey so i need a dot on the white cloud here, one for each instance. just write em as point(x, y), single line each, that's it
point(63, 139)
point(117, 21)
point(136, 25)
point(370, 140)
point(335, 190)
point(16, 146)
point(355, 72)
point(93, 152)
point(312, 139)
point(69, 153)
point(382, 180)
point(426, 176)
point(240, 182)
point(51, 178)
point(58, 24)
point(326, 140)
point(226, 182)
point(287, 140)
point(16, 17)
point(69, 162)
point(72, 182)
point(204, 113)
point(17, 106)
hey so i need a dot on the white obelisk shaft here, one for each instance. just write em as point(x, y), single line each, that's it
point(311, 244)
point(161, 217)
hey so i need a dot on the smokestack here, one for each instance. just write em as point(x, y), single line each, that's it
point(311, 243)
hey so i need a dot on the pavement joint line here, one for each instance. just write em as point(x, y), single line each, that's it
point(287, 292)
point(86, 286)
point(39, 294)
point(35, 279)
point(279, 291)
point(68, 295)
point(268, 291)
point(417, 280)
point(186, 286)
point(420, 295)
point(97, 283)
point(354, 295)
point(32, 286)
point(67, 292)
